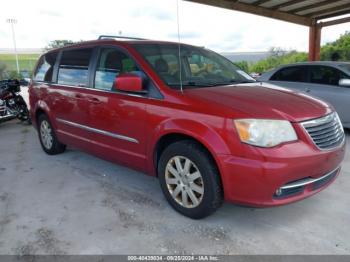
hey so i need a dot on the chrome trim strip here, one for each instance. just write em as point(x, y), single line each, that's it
point(308, 181)
point(101, 90)
point(6, 117)
point(98, 131)
point(98, 90)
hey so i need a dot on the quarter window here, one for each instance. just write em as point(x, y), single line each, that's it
point(111, 63)
point(74, 65)
point(45, 67)
point(291, 74)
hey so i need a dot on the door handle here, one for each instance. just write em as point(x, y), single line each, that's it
point(94, 100)
point(77, 96)
point(307, 90)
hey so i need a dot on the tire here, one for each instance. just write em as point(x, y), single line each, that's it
point(24, 114)
point(200, 176)
point(22, 109)
point(48, 138)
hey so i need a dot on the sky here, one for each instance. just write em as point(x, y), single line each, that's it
point(40, 21)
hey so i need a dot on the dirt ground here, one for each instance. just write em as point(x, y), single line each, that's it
point(75, 203)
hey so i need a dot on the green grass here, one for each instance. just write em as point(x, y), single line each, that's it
point(26, 61)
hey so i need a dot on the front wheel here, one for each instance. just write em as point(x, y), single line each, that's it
point(190, 180)
point(47, 137)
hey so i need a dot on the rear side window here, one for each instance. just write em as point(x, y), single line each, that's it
point(291, 74)
point(74, 65)
point(326, 75)
point(45, 67)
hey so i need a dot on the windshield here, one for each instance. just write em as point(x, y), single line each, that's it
point(200, 67)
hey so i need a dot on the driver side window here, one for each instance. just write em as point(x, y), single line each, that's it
point(166, 66)
point(111, 63)
point(326, 75)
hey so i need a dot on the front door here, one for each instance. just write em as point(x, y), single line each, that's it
point(118, 118)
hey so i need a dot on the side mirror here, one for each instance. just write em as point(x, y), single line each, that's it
point(128, 82)
point(344, 82)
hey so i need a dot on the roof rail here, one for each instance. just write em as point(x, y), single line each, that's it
point(118, 37)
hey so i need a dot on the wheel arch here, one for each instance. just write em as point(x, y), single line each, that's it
point(172, 132)
point(41, 108)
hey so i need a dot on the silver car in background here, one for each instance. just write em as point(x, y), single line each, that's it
point(329, 81)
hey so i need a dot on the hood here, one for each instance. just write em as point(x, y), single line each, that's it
point(261, 101)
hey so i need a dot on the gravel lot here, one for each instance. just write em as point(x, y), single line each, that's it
point(75, 203)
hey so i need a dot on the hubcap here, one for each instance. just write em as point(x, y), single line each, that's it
point(184, 181)
point(46, 135)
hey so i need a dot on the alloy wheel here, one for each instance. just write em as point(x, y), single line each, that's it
point(46, 134)
point(184, 182)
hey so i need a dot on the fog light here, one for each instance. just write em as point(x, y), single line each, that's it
point(278, 192)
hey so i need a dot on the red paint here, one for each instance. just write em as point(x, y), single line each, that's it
point(250, 175)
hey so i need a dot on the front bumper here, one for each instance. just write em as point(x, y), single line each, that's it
point(280, 175)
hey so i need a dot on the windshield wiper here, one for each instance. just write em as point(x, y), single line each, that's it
point(193, 83)
point(242, 81)
point(209, 84)
point(230, 82)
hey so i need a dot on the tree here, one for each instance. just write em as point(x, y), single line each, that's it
point(243, 65)
point(277, 51)
point(277, 57)
point(337, 50)
point(58, 43)
point(15, 75)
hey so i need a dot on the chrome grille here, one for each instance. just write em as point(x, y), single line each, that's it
point(326, 132)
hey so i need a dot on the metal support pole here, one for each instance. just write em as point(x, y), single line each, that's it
point(315, 42)
point(14, 21)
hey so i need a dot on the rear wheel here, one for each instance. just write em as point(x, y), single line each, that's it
point(190, 180)
point(47, 137)
point(23, 113)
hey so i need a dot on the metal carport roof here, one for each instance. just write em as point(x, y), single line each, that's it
point(303, 12)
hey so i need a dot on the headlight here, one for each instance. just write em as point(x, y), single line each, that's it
point(265, 133)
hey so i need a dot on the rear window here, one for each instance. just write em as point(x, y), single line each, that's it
point(291, 74)
point(45, 67)
point(74, 65)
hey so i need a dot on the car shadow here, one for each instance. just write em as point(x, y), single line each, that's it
point(140, 187)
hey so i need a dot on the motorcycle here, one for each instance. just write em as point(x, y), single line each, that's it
point(12, 104)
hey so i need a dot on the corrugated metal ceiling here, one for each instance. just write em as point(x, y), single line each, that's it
point(303, 12)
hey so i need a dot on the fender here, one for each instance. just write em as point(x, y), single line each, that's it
point(206, 135)
point(41, 105)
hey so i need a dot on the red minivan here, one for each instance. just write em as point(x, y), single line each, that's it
point(189, 116)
